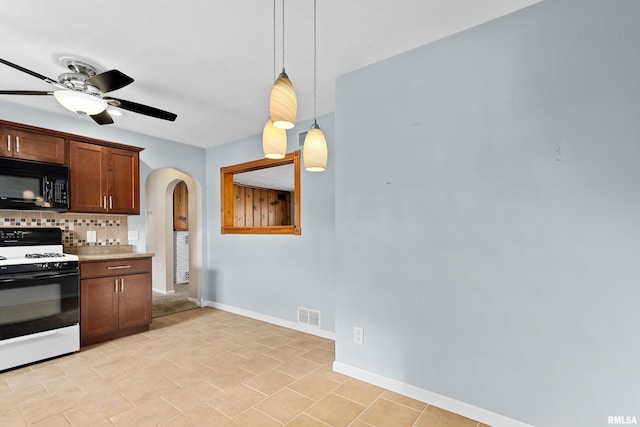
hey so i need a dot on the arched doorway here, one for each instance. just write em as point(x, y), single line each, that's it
point(159, 188)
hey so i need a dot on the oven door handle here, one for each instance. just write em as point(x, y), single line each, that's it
point(21, 277)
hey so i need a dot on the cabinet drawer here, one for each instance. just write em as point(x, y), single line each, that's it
point(114, 267)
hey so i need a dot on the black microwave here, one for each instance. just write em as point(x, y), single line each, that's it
point(33, 185)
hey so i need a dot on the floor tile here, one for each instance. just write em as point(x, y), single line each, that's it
point(53, 405)
point(385, 413)
point(236, 400)
point(335, 410)
point(270, 382)
point(186, 398)
point(253, 418)
point(284, 352)
point(284, 405)
point(297, 367)
point(318, 355)
point(205, 367)
point(305, 420)
point(11, 417)
point(98, 409)
point(149, 413)
point(314, 386)
point(404, 400)
point(259, 364)
point(359, 391)
point(436, 417)
point(201, 415)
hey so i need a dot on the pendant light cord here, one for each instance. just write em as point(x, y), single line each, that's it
point(315, 55)
point(282, 35)
point(274, 40)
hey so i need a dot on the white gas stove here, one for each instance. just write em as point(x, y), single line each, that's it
point(39, 297)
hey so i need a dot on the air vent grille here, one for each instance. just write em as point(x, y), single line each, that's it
point(309, 316)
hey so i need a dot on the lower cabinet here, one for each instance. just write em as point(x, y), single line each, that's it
point(115, 298)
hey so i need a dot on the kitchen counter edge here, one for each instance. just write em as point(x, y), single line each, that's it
point(115, 255)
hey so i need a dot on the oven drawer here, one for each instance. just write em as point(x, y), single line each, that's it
point(114, 267)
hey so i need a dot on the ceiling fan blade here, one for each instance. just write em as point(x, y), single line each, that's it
point(24, 70)
point(109, 80)
point(141, 109)
point(103, 118)
point(25, 92)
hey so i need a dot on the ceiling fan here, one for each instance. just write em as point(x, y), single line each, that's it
point(83, 91)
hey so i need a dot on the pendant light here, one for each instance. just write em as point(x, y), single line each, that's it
point(274, 140)
point(314, 151)
point(283, 105)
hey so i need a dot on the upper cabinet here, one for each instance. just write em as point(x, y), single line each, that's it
point(26, 145)
point(104, 179)
point(104, 176)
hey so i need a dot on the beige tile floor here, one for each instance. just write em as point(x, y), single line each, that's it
point(206, 367)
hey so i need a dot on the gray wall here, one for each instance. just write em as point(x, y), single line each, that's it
point(274, 274)
point(158, 153)
point(487, 214)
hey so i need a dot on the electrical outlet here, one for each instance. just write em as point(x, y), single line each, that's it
point(133, 235)
point(91, 236)
point(358, 335)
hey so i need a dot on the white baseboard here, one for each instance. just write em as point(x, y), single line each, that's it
point(163, 292)
point(302, 327)
point(435, 399)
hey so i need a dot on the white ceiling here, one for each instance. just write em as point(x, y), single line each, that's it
point(211, 61)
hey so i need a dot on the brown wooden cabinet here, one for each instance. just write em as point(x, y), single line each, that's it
point(25, 145)
point(103, 179)
point(115, 298)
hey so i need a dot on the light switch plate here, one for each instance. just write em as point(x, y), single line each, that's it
point(91, 236)
point(133, 235)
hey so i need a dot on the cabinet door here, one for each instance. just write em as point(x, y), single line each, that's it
point(87, 177)
point(135, 300)
point(6, 143)
point(124, 180)
point(38, 147)
point(98, 306)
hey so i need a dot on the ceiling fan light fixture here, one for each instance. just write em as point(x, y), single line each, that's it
point(114, 112)
point(80, 102)
point(283, 104)
point(314, 151)
point(274, 141)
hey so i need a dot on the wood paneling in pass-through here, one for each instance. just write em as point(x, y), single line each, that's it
point(259, 207)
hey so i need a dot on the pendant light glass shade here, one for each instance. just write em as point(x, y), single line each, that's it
point(283, 104)
point(314, 152)
point(274, 141)
point(80, 102)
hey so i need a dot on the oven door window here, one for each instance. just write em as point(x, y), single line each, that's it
point(38, 302)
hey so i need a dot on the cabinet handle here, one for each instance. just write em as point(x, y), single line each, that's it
point(110, 202)
point(121, 285)
point(117, 267)
point(17, 144)
point(104, 202)
point(8, 142)
point(115, 286)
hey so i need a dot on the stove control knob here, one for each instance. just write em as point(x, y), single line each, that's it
point(55, 265)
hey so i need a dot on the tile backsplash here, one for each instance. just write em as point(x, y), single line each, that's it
point(110, 229)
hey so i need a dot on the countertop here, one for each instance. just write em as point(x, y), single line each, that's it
point(103, 253)
point(114, 255)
